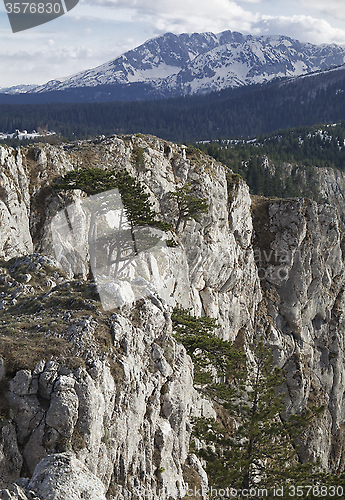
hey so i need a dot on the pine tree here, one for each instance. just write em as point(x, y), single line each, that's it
point(256, 448)
point(135, 216)
point(189, 206)
point(250, 447)
point(90, 180)
point(211, 355)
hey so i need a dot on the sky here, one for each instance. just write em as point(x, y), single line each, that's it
point(97, 31)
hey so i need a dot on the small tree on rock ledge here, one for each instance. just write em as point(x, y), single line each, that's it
point(189, 206)
point(134, 211)
point(250, 447)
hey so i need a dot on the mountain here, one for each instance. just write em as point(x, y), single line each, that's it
point(100, 404)
point(240, 112)
point(17, 89)
point(186, 64)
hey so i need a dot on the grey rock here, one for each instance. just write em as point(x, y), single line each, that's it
point(127, 412)
point(305, 310)
point(14, 493)
point(2, 369)
point(195, 464)
point(27, 414)
point(47, 379)
point(63, 476)
point(34, 450)
point(23, 383)
point(160, 361)
point(63, 410)
point(11, 460)
point(14, 205)
point(22, 482)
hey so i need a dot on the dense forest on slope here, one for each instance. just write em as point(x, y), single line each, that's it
point(241, 112)
point(283, 164)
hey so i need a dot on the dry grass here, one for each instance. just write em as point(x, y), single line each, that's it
point(33, 327)
point(22, 353)
point(201, 162)
point(240, 340)
point(86, 157)
point(232, 181)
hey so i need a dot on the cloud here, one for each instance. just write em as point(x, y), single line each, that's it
point(303, 28)
point(49, 62)
point(334, 8)
point(185, 15)
point(100, 30)
point(62, 48)
point(242, 15)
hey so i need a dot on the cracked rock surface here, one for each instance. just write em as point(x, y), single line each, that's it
point(98, 402)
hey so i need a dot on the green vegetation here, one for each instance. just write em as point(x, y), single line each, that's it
point(171, 243)
point(282, 164)
point(320, 146)
point(251, 445)
point(90, 180)
point(136, 216)
point(241, 112)
point(189, 206)
point(138, 208)
point(210, 354)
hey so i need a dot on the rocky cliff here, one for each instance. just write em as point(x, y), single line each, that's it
point(97, 403)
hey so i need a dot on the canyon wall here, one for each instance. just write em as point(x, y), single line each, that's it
point(103, 406)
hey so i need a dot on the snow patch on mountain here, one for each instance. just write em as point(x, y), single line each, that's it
point(17, 89)
point(201, 62)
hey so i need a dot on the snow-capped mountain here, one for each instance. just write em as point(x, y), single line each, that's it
point(17, 89)
point(185, 64)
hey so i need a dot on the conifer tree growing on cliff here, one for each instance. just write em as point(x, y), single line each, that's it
point(189, 206)
point(250, 447)
point(139, 210)
point(134, 210)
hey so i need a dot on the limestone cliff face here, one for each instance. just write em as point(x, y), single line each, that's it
point(125, 416)
point(331, 184)
point(299, 255)
point(213, 271)
point(14, 205)
point(320, 183)
point(120, 419)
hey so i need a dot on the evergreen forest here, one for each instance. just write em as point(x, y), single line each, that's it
point(241, 112)
point(283, 164)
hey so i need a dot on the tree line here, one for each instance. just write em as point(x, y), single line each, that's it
point(241, 112)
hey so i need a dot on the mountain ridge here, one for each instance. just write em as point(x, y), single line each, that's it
point(241, 112)
point(100, 404)
point(187, 64)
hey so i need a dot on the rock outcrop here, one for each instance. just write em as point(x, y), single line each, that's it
point(124, 417)
point(299, 255)
point(108, 395)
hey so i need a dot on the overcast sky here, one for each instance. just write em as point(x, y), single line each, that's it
point(96, 31)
